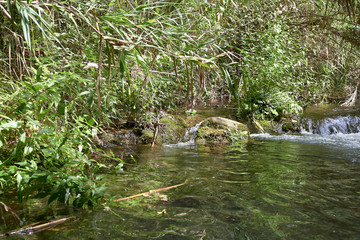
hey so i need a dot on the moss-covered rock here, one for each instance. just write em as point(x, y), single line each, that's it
point(265, 126)
point(171, 129)
point(119, 137)
point(147, 136)
point(287, 124)
point(109, 138)
point(290, 125)
point(221, 130)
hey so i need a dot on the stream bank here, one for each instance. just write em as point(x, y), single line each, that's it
point(289, 186)
point(165, 128)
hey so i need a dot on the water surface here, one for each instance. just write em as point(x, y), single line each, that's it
point(304, 186)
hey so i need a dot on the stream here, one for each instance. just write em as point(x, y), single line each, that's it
point(302, 186)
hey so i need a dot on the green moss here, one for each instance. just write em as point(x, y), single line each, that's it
point(173, 129)
point(212, 135)
point(266, 123)
point(290, 125)
point(174, 121)
point(221, 130)
point(147, 136)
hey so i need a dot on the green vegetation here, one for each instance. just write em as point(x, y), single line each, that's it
point(69, 69)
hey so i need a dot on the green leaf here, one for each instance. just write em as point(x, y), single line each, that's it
point(6, 117)
point(10, 125)
point(22, 137)
point(18, 180)
point(84, 93)
point(29, 86)
point(38, 73)
point(21, 107)
point(33, 164)
point(60, 110)
point(67, 195)
point(28, 150)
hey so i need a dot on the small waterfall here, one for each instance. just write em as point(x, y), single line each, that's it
point(188, 139)
point(333, 130)
point(341, 124)
point(190, 134)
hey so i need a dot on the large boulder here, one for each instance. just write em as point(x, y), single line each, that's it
point(221, 130)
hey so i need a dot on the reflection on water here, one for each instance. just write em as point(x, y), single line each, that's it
point(268, 190)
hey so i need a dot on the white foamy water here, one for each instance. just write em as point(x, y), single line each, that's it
point(326, 126)
point(188, 140)
point(347, 145)
point(351, 140)
point(340, 132)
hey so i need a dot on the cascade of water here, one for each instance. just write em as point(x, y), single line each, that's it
point(341, 124)
point(335, 131)
point(188, 139)
point(190, 134)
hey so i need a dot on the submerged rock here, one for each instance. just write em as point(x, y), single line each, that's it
point(186, 202)
point(221, 130)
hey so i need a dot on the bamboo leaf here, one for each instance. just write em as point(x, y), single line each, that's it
point(24, 20)
point(9, 125)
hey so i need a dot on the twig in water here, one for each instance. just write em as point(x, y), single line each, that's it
point(37, 228)
point(155, 135)
point(150, 192)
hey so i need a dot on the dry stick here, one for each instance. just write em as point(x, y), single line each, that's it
point(7, 14)
point(98, 82)
point(15, 36)
point(111, 59)
point(41, 227)
point(352, 99)
point(177, 76)
point(192, 84)
point(155, 135)
point(10, 59)
point(187, 83)
point(149, 192)
point(8, 209)
point(147, 73)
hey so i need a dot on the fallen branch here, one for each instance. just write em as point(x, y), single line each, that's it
point(150, 192)
point(155, 136)
point(258, 126)
point(8, 209)
point(37, 228)
point(352, 99)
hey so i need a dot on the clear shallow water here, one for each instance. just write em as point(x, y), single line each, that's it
point(272, 189)
point(304, 186)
